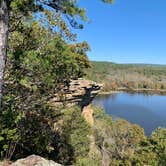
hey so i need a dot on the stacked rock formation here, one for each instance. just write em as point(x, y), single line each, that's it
point(79, 92)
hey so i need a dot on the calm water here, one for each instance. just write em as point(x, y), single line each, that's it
point(149, 111)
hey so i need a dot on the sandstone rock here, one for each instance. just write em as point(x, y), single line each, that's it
point(87, 113)
point(80, 92)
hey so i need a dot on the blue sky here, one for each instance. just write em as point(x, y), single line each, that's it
point(128, 31)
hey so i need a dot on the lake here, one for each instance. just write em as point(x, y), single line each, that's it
point(148, 111)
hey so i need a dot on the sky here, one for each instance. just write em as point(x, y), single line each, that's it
point(128, 31)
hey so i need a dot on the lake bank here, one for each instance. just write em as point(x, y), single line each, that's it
point(140, 90)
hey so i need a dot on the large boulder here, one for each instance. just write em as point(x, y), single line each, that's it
point(32, 160)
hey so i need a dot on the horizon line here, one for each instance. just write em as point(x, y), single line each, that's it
point(130, 63)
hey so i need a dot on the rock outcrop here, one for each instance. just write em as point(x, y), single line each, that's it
point(80, 92)
point(87, 113)
point(32, 160)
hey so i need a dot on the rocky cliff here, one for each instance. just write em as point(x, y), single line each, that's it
point(80, 92)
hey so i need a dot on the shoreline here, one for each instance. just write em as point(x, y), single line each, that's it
point(146, 91)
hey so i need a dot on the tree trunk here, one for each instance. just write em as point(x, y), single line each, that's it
point(4, 18)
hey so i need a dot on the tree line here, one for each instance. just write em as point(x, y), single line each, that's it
point(128, 76)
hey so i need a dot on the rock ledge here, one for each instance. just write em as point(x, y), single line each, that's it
point(80, 92)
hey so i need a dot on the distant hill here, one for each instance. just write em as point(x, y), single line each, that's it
point(130, 64)
point(133, 76)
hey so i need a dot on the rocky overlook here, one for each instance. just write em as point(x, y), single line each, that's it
point(80, 92)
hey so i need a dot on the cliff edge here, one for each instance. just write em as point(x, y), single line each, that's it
point(79, 92)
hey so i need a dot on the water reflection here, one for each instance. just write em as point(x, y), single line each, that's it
point(146, 110)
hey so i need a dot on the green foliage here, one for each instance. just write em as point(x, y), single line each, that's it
point(39, 58)
point(40, 64)
point(56, 14)
point(145, 155)
point(78, 131)
point(88, 161)
point(62, 136)
point(9, 134)
point(158, 140)
point(23, 133)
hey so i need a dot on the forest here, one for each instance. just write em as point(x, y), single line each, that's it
point(132, 77)
point(39, 56)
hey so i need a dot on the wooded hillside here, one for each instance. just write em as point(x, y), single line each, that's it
point(128, 76)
